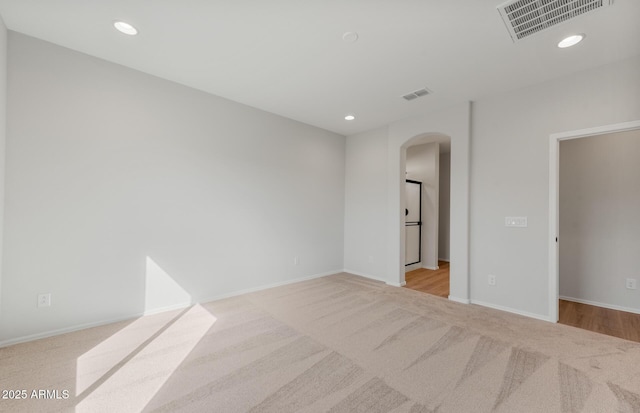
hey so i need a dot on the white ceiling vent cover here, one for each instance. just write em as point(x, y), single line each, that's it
point(416, 94)
point(526, 17)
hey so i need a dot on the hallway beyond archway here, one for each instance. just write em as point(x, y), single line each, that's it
point(434, 282)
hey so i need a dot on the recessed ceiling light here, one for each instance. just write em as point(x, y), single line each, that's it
point(571, 40)
point(349, 117)
point(125, 28)
point(350, 37)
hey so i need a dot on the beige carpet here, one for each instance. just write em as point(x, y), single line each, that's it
point(336, 344)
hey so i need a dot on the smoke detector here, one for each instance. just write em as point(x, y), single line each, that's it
point(526, 17)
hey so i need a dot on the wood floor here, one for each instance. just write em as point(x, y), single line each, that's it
point(434, 282)
point(601, 320)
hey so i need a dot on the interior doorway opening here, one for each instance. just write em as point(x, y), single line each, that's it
point(586, 293)
point(427, 170)
point(452, 124)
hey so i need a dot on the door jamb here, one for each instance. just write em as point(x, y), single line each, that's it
point(554, 178)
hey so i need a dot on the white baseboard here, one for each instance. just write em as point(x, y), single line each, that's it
point(412, 267)
point(267, 286)
point(443, 259)
point(513, 310)
point(417, 266)
point(459, 300)
point(165, 309)
point(83, 326)
point(603, 305)
point(361, 274)
point(70, 329)
point(371, 277)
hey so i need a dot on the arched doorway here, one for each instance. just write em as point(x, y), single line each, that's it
point(453, 123)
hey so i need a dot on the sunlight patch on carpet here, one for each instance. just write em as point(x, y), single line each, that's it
point(118, 375)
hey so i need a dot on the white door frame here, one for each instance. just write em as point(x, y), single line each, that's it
point(554, 178)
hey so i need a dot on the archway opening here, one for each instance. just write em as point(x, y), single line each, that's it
point(427, 213)
point(455, 123)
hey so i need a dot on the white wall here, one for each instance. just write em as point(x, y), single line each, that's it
point(510, 175)
point(423, 165)
point(3, 135)
point(118, 181)
point(375, 189)
point(600, 219)
point(443, 209)
point(365, 238)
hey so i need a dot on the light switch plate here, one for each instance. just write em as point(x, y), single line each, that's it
point(520, 222)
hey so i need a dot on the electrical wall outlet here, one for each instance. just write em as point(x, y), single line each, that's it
point(296, 260)
point(631, 283)
point(44, 300)
point(492, 279)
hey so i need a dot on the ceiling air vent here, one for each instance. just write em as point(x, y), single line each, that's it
point(416, 94)
point(526, 17)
